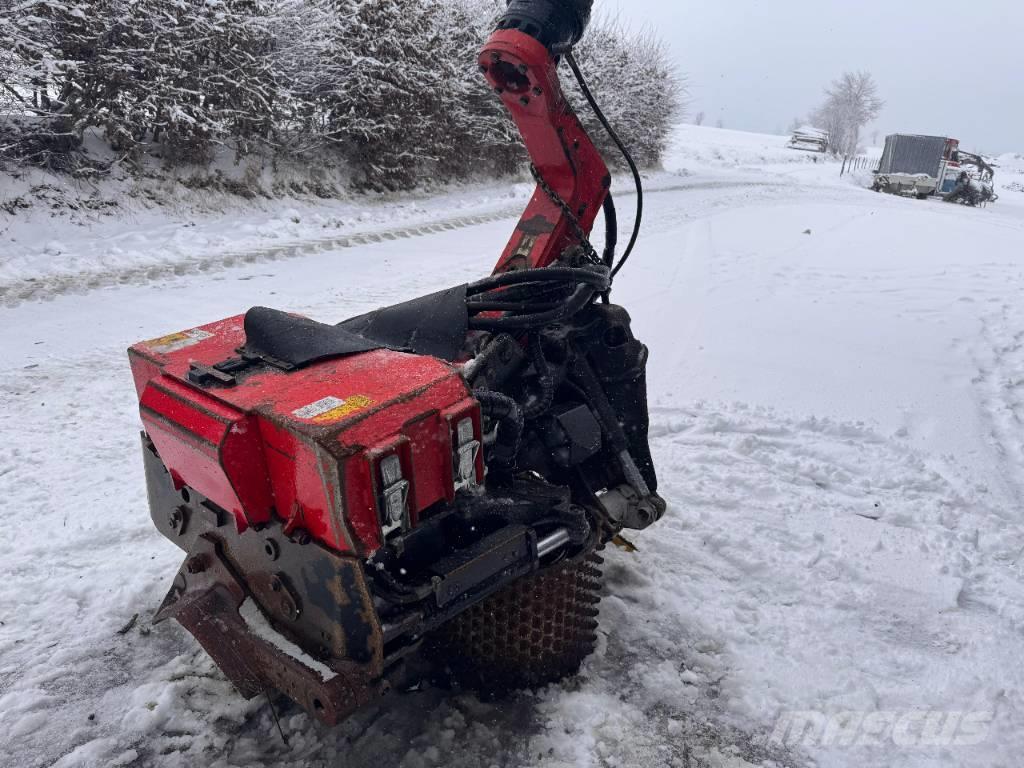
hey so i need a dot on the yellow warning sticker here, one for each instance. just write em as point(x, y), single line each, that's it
point(331, 409)
point(177, 341)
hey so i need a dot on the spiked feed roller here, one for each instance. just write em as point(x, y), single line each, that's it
point(424, 488)
point(533, 632)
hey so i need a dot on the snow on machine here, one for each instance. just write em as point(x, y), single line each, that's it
point(424, 488)
point(918, 166)
point(975, 184)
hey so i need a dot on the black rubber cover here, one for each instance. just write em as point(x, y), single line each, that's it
point(552, 22)
point(434, 325)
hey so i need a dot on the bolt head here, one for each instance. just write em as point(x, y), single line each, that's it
point(272, 549)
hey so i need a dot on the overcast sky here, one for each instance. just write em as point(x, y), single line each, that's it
point(944, 67)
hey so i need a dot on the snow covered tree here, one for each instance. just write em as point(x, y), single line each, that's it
point(391, 86)
point(40, 42)
point(635, 82)
point(851, 102)
point(195, 74)
point(185, 75)
point(487, 140)
point(307, 66)
point(383, 108)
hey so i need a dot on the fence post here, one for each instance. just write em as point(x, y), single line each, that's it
point(842, 171)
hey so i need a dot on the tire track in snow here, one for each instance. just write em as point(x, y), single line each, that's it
point(19, 291)
point(793, 541)
point(16, 292)
point(1000, 384)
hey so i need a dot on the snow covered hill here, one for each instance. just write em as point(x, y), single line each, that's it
point(836, 418)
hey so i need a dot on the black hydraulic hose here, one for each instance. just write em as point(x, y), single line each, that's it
point(501, 457)
point(509, 306)
point(597, 277)
point(577, 523)
point(611, 231)
point(598, 402)
point(579, 299)
point(545, 381)
point(611, 238)
point(526, 293)
point(625, 153)
point(490, 350)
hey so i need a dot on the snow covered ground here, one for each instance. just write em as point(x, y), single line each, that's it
point(837, 418)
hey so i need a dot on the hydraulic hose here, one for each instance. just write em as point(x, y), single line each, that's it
point(596, 277)
point(506, 411)
point(611, 231)
point(545, 381)
point(589, 96)
point(579, 299)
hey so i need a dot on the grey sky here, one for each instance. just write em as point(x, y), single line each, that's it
point(947, 67)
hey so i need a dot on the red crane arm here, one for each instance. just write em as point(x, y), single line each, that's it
point(525, 74)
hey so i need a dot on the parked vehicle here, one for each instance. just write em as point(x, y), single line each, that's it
point(809, 139)
point(918, 165)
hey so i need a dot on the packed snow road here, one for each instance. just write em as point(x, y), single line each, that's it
point(837, 423)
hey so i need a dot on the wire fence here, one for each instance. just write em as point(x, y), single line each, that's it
point(859, 163)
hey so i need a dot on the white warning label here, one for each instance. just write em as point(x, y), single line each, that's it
point(319, 408)
point(330, 409)
point(177, 341)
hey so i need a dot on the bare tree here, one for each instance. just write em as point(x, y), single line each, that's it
point(698, 119)
point(851, 102)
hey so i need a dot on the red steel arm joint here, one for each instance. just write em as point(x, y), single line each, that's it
point(525, 74)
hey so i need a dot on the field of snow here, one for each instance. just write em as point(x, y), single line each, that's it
point(837, 390)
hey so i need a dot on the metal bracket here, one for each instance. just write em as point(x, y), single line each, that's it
point(205, 599)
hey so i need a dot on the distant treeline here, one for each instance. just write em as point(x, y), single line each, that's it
point(390, 88)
